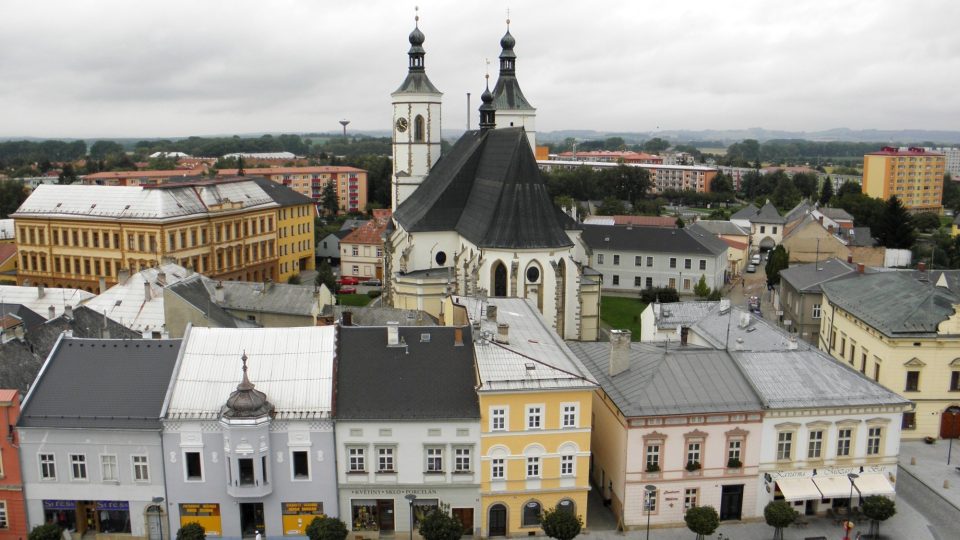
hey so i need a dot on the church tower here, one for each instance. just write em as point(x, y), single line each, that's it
point(513, 109)
point(416, 124)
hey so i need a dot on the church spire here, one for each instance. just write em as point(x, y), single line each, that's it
point(513, 109)
point(416, 52)
point(488, 119)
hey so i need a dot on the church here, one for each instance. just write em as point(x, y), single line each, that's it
point(478, 221)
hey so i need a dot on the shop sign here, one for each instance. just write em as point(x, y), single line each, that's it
point(59, 505)
point(298, 515)
point(828, 471)
point(113, 505)
point(376, 492)
point(206, 514)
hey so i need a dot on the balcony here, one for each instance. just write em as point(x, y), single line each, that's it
point(249, 487)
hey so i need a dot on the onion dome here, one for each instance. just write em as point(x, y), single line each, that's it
point(507, 41)
point(487, 110)
point(246, 401)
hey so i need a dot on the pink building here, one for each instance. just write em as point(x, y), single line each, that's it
point(13, 517)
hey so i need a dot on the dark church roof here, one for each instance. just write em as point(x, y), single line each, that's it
point(488, 188)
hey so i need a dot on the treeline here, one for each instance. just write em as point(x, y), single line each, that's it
point(750, 152)
point(21, 153)
point(301, 146)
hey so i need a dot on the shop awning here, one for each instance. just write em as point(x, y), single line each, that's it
point(873, 484)
point(833, 487)
point(798, 489)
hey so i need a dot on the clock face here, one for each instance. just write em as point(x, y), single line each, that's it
point(401, 124)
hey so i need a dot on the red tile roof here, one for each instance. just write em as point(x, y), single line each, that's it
point(912, 151)
point(7, 251)
point(650, 221)
point(734, 243)
point(370, 232)
point(142, 174)
point(292, 170)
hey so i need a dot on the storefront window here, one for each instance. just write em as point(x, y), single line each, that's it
point(422, 508)
point(95, 516)
point(365, 515)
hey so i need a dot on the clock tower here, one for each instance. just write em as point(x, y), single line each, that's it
point(416, 125)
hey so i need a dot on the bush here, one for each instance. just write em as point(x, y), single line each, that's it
point(561, 524)
point(50, 531)
point(878, 509)
point(653, 467)
point(702, 520)
point(715, 295)
point(439, 525)
point(326, 528)
point(734, 463)
point(374, 294)
point(664, 294)
point(294, 279)
point(693, 466)
point(190, 531)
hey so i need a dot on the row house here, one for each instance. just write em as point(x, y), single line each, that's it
point(361, 251)
point(13, 515)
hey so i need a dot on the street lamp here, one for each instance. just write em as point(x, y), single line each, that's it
point(650, 490)
point(846, 530)
point(410, 497)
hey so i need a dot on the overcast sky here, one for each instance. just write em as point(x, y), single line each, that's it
point(176, 68)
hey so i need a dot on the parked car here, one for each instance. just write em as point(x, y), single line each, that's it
point(754, 304)
point(348, 290)
point(755, 259)
point(349, 280)
point(751, 268)
point(372, 283)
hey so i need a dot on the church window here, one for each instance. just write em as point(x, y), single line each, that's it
point(441, 258)
point(533, 274)
point(418, 129)
point(499, 279)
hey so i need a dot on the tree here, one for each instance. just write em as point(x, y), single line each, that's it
point(12, 195)
point(779, 515)
point(105, 149)
point(722, 183)
point(777, 260)
point(849, 187)
point(806, 183)
point(878, 509)
point(67, 175)
point(895, 228)
point(826, 191)
point(240, 171)
point(926, 221)
point(611, 206)
point(438, 525)
point(625, 182)
point(680, 223)
point(326, 528)
point(702, 520)
point(561, 524)
point(49, 531)
point(329, 201)
point(294, 279)
point(325, 277)
point(191, 531)
point(786, 194)
point(951, 193)
point(701, 289)
point(656, 145)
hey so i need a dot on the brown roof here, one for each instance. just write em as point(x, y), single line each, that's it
point(734, 243)
point(292, 170)
point(142, 174)
point(649, 221)
point(7, 251)
point(370, 232)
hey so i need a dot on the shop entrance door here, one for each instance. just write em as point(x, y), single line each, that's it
point(385, 514)
point(87, 518)
point(950, 423)
point(731, 502)
point(465, 517)
point(498, 520)
point(251, 520)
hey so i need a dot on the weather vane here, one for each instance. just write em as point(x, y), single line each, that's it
point(508, 18)
point(416, 16)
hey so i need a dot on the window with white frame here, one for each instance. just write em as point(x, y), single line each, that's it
point(385, 459)
point(78, 466)
point(734, 449)
point(784, 445)
point(653, 455)
point(48, 467)
point(141, 468)
point(498, 419)
point(569, 418)
point(844, 436)
point(690, 496)
point(873, 441)
point(108, 468)
point(435, 459)
point(357, 459)
point(461, 459)
point(497, 471)
point(815, 445)
point(534, 417)
point(651, 501)
point(566, 465)
point(599, 258)
point(533, 467)
point(816, 311)
point(693, 452)
point(4, 522)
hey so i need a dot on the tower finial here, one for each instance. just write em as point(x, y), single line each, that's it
point(508, 19)
point(416, 16)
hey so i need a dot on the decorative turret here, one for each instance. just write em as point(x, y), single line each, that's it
point(488, 113)
point(417, 81)
point(512, 106)
point(246, 401)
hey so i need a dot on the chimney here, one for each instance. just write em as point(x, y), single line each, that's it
point(68, 311)
point(105, 331)
point(850, 259)
point(146, 291)
point(739, 345)
point(218, 293)
point(744, 320)
point(830, 229)
point(40, 291)
point(860, 268)
point(503, 333)
point(393, 333)
point(346, 318)
point(458, 337)
point(161, 277)
point(492, 313)
point(51, 313)
point(792, 343)
point(921, 266)
point(102, 282)
point(820, 219)
point(619, 351)
point(123, 275)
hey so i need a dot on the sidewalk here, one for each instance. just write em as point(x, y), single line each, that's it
point(931, 467)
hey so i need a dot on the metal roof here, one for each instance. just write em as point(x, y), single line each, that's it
point(677, 314)
point(280, 298)
point(768, 214)
point(747, 212)
point(674, 380)
point(738, 328)
point(535, 357)
point(128, 303)
point(720, 227)
point(652, 240)
point(809, 277)
point(292, 366)
point(40, 300)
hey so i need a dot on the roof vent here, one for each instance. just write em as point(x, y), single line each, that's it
point(393, 333)
point(530, 366)
point(424, 338)
point(739, 345)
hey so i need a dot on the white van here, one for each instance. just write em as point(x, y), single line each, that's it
point(755, 259)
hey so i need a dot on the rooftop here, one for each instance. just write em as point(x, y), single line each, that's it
point(130, 304)
point(292, 366)
point(809, 277)
point(653, 221)
point(676, 314)
point(652, 239)
point(904, 151)
point(40, 299)
point(428, 376)
point(323, 169)
point(7, 231)
point(370, 232)
point(720, 227)
point(379, 316)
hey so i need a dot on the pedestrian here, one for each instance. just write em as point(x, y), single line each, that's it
point(258, 536)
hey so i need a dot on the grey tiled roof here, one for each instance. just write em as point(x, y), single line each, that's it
point(747, 212)
point(19, 365)
point(428, 378)
point(836, 213)
point(683, 313)
point(685, 380)
point(195, 291)
point(809, 277)
point(720, 227)
point(768, 214)
point(652, 239)
point(85, 323)
point(801, 209)
point(894, 303)
point(380, 316)
point(861, 236)
point(740, 328)
point(95, 383)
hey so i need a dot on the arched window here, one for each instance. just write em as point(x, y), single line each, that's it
point(418, 129)
point(499, 279)
point(531, 514)
point(567, 505)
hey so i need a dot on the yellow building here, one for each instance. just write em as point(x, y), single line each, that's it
point(535, 413)
point(914, 175)
point(73, 235)
point(902, 330)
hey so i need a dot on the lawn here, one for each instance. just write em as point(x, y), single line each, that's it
point(622, 313)
point(359, 300)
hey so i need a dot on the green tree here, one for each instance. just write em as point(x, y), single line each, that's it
point(611, 206)
point(329, 201)
point(878, 509)
point(702, 520)
point(926, 221)
point(680, 223)
point(806, 183)
point(951, 193)
point(294, 279)
point(12, 195)
point(656, 145)
point(49, 531)
point(777, 260)
point(438, 525)
point(325, 277)
point(826, 191)
point(785, 195)
point(561, 524)
point(701, 289)
point(779, 515)
point(722, 183)
point(849, 187)
point(326, 528)
point(105, 149)
point(625, 182)
point(895, 228)
point(68, 174)
point(191, 531)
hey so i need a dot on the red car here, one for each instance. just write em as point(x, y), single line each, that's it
point(348, 290)
point(349, 280)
